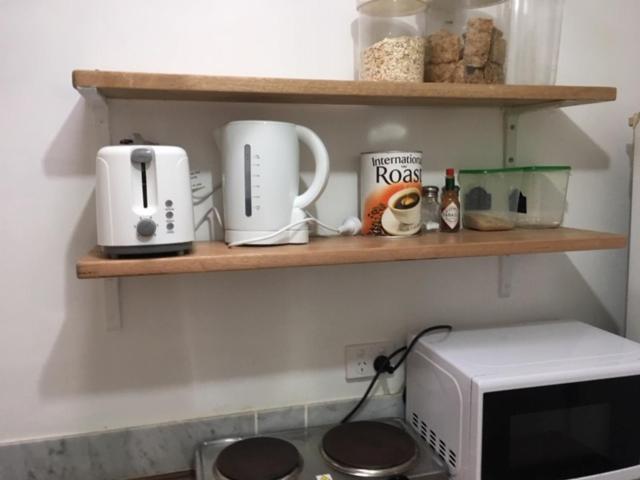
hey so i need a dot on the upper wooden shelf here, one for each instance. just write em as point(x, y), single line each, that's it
point(157, 86)
point(216, 256)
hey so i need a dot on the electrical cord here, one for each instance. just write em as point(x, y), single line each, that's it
point(203, 219)
point(198, 198)
point(271, 235)
point(351, 226)
point(382, 364)
point(322, 224)
point(215, 210)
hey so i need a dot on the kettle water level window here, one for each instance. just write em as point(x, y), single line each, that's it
point(248, 207)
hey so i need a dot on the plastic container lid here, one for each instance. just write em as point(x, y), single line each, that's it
point(545, 168)
point(531, 168)
point(481, 171)
point(391, 8)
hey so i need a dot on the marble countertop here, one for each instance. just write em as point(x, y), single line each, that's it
point(145, 452)
point(172, 476)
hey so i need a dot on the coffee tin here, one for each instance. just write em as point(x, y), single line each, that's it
point(390, 193)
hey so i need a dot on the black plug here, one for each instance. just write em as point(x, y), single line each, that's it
point(382, 364)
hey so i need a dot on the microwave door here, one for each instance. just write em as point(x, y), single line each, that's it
point(561, 432)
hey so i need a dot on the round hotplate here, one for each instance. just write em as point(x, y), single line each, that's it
point(259, 458)
point(369, 449)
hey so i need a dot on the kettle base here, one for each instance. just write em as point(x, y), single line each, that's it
point(293, 236)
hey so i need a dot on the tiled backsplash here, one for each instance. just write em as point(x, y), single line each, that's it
point(158, 449)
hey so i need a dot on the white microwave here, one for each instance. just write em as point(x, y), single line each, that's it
point(542, 401)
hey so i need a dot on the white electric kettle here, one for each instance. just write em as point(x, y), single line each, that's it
point(260, 178)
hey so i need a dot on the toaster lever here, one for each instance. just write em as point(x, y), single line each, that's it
point(142, 155)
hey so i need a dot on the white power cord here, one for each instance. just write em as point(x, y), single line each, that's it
point(205, 217)
point(271, 235)
point(323, 225)
point(351, 226)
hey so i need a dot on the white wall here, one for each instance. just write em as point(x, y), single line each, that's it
point(214, 343)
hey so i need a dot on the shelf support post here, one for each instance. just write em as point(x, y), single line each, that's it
point(510, 126)
point(111, 286)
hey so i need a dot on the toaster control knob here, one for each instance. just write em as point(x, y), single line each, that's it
point(146, 227)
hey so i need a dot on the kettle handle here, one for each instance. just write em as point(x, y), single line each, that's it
point(321, 158)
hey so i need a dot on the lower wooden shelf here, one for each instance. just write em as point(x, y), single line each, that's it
point(216, 256)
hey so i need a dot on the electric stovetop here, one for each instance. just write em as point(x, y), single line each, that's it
point(369, 449)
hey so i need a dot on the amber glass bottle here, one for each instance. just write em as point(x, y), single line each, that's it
point(450, 204)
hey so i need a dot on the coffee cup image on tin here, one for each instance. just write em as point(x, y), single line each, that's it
point(402, 216)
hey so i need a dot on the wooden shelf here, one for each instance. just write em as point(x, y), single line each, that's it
point(155, 86)
point(216, 256)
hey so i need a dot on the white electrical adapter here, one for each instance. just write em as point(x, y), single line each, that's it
point(351, 226)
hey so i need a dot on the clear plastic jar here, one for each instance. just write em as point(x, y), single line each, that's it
point(391, 40)
point(536, 28)
point(543, 196)
point(467, 41)
point(487, 197)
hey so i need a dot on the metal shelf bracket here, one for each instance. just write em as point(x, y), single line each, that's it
point(100, 111)
point(99, 108)
point(510, 119)
point(510, 126)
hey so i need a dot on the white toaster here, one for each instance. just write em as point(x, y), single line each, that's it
point(143, 200)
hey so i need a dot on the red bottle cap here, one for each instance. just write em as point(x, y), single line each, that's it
point(451, 172)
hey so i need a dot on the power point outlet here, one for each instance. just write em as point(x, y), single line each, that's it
point(359, 359)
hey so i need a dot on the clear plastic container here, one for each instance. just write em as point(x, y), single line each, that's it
point(486, 198)
point(536, 27)
point(391, 40)
point(467, 41)
point(543, 196)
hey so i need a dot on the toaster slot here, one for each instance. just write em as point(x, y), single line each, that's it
point(143, 178)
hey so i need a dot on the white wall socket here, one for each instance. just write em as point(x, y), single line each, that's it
point(359, 359)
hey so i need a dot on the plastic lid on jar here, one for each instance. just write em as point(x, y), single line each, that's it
point(391, 8)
